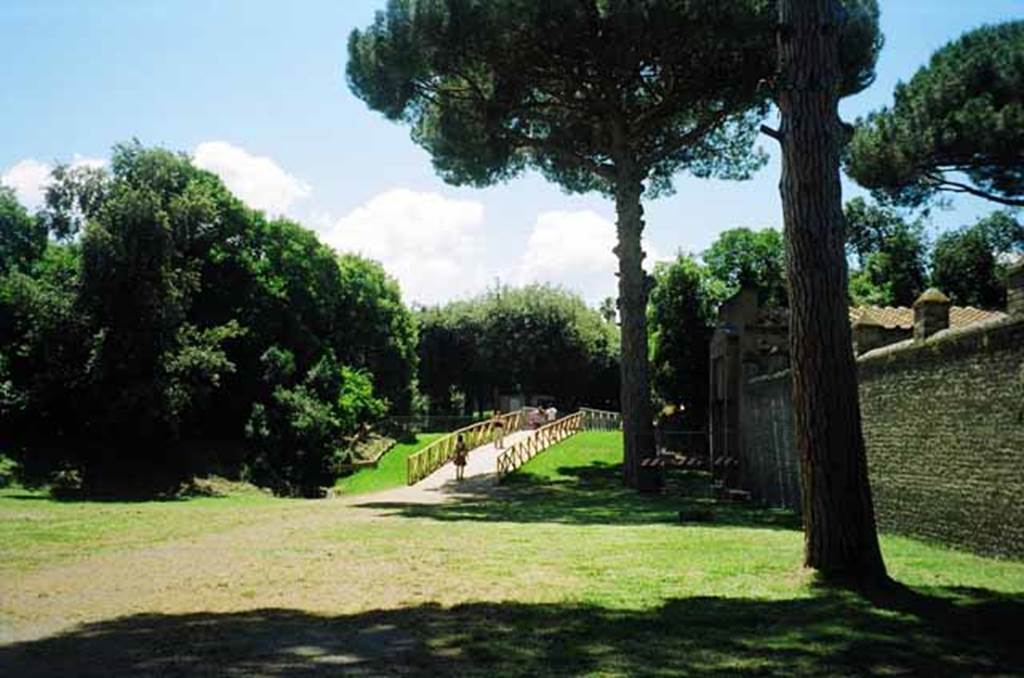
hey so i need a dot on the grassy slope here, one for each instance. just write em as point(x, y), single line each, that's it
point(390, 472)
point(561, 572)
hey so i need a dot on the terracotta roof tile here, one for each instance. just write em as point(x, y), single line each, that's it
point(903, 317)
point(885, 316)
point(961, 316)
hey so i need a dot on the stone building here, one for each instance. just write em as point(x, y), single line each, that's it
point(942, 407)
point(752, 341)
point(748, 340)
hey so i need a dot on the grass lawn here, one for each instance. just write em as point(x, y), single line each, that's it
point(558, 572)
point(390, 472)
point(36, 530)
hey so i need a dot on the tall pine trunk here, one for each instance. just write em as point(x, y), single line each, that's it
point(840, 538)
point(637, 428)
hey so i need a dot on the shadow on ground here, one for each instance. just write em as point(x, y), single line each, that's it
point(926, 632)
point(589, 495)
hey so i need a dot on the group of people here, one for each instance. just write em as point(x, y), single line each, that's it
point(535, 418)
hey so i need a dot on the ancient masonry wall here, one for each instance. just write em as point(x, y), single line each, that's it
point(944, 427)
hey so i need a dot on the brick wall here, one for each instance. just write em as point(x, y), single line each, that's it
point(944, 428)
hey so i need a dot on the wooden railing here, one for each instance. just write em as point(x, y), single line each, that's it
point(435, 455)
point(538, 441)
point(601, 420)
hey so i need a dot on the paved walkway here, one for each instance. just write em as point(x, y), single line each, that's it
point(441, 485)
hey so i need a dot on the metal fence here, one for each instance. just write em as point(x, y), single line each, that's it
point(404, 426)
point(600, 420)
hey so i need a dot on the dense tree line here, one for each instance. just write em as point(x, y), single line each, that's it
point(145, 312)
point(896, 260)
point(537, 340)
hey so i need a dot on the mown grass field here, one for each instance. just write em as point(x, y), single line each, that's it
point(390, 472)
point(36, 531)
point(558, 572)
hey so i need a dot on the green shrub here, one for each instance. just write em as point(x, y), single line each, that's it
point(8, 470)
point(297, 433)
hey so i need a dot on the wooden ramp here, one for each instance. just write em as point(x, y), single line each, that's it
point(486, 463)
point(585, 419)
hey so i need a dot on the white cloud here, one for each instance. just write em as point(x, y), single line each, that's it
point(29, 178)
point(257, 180)
point(85, 161)
point(430, 243)
point(574, 250)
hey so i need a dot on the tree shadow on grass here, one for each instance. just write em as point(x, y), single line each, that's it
point(589, 495)
point(833, 633)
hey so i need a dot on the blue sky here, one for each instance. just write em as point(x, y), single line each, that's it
point(255, 90)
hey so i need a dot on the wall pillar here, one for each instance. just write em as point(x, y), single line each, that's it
point(931, 314)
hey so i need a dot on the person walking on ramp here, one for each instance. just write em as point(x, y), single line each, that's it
point(461, 456)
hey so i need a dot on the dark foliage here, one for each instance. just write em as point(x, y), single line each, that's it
point(968, 264)
point(957, 126)
point(890, 253)
point(681, 319)
point(535, 340)
point(146, 334)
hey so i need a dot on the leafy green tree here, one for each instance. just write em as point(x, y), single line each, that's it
point(890, 253)
point(968, 264)
point(614, 97)
point(298, 431)
point(681, 318)
point(73, 195)
point(45, 342)
point(451, 366)
point(293, 291)
point(22, 237)
point(194, 370)
point(376, 331)
point(1004, 232)
point(957, 126)
point(145, 332)
point(146, 362)
point(840, 534)
point(742, 257)
point(538, 339)
point(609, 309)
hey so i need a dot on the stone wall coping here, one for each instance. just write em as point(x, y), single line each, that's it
point(947, 337)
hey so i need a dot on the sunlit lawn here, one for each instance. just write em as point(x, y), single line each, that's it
point(37, 530)
point(390, 471)
point(559, 572)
